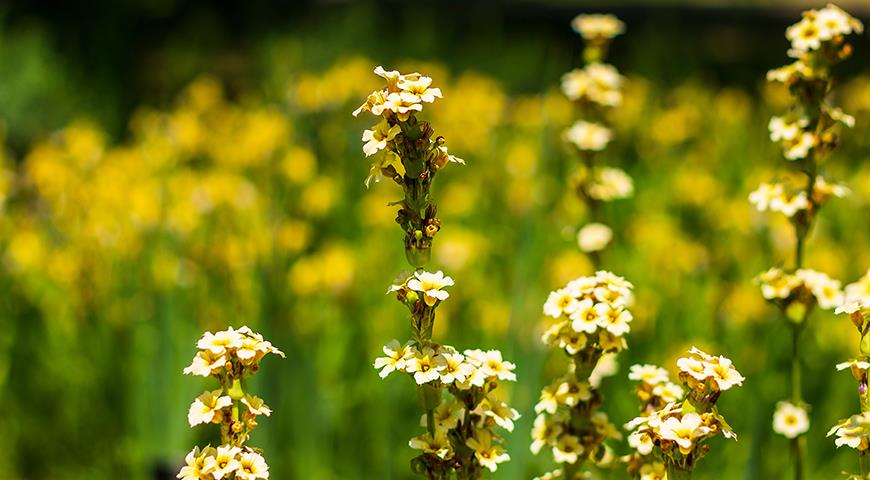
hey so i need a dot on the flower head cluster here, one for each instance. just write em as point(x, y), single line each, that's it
point(597, 26)
point(796, 293)
point(592, 320)
point(677, 431)
point(790, 201)
point(592, 312)
point(820, 30)
point(595, 84)
point(226, 462)
point(230, 356)
point(790, 420)
point(587, 136)
point(655, 391)
point(853, 431)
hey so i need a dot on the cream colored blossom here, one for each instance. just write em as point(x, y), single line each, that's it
point(499, 411)
point(494, 366)
point(256, 405)
point(587, 136)
point(397, 356)
point(425, 365)
point(570, 392)
point(438, 445)
point(195, 468)
point(567, 449)
point(609, 183)
point(561, 301)
point(218, 343)
point(431, 285)
point(206, 406)
point(641, 442)
point(594, 237)
point(489, 455)
point(805, 35)
point(614, 318)
point(852, 431)
point(684, 431)
point(800, 146)
point(206, 363)
point(544, 433)
point(225, 462)
point(650, 374)
point(455, 368)
point(781, 129)
point(420, 87)
point(252, 465)
point(586, 318)
point(668, 392)
point(376, 139)
point(790, 420)
point(597, 26)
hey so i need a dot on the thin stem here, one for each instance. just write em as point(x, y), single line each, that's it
point(797, 451)
point(676, 472)
point(864, 463)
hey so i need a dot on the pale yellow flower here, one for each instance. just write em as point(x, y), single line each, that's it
point(594, 237)
point(641, 442)
point(597, 26)
point(668, 392)
point(218, 343)
point(790, 420)
point(431, 285)
point(206, 406)
point(224, 462)
point(544, 433)
point(455, 368)
point(438, 446)
point(853, 431)
point(567, 449)
point(487, 454)
point(425, 365)
point(805, 35)
point(653, 471)
point(397, 356)
point(650, 374)
point(420, 87)
point(494, 366)
point(206, 363)
point(610, 183)
point(722, 371)
point(256, 405)
point(571, 392)
point(252, 465)
point(561, 301)
point(586, 318)
point(684, 431)
point(587, 136)
point(549, 401)
point(446, 415)
point(614, 318)
point(789, 205)
point(781, 129)
point(376, 139)
point(195, 464)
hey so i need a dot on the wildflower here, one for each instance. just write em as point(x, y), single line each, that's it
point(403, 104)
point(487, 454)
point(722, 372)
point(396, 358)
point(614, 318)
point(775, 283)
point(431, 285)
point(668, 392)
point(799, 147)
point(587, 318)
point(859, 291)
point(419, 87)
point(205, 363)
point(560, 301)
point(195, 464)
point(597, 26)
point(790, 420)
point(587, 136)
point(610, 183)
point(446, 415)
point(376, 139)
point(438, 445)
point(425, 365)
point(544, 433)
point(567, 449)
point(549, 401)
point(570, 392)
point(653, 471)
point(805, 35)
point(256, 405)
point(790, 205)
point(494, 366)
point(206, 407)
point(224, 462)
point(780, 129)
point(499, 411)
point(455, 368)
point(853, 431)
point(218, 343)
point(650, 374)
point(684, 431)
point(252, 465)
point(641, 442)
point(857, 367)
point(594, 237)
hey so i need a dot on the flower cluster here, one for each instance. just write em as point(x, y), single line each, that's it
point(797, 293)
point(592, 320)
point(677, 431)
point(855, 430)
point(405, 150)
point(594, 89)
point(230, 356)
point(460, 439)
point(654, 391)
point(807, 133)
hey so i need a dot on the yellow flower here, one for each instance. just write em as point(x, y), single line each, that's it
point(586, 318)
point(438, 446)
point(206, 406)
point(722, 371)
point(447, 415)
point(614, 318)
point(205, 363)
point(544, 433)
point(853, 431)
point(609, 183)
point(455, 367)
point(790, 420)
point(653, 471)
point(376, 139)
point(560, 301)
point(195, 468)
point(403, 104)
point(594, 237)
point(494, 366)
point(220, 342)
point(597, 26)
point(397, 356)
point(252, 465)
point(587, 136)
point(567, 449)
point(499, 411)
point(805, 35)
point(641, 442)
point(420, 87)
point(775, 283)
point(571, 340)
point(425, 365)
point(668, 392)
point(431, 285)
point(780, 129)
point(549, 401)
point(684, 431)
point(256, 405)
point(224, 462)
point(571, 392)
point(650, 374)
point(487, 454)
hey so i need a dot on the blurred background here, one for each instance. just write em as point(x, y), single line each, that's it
point(172, 166)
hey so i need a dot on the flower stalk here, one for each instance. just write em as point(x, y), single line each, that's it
point(460, 439)
point(807, 133)
point(230, 356)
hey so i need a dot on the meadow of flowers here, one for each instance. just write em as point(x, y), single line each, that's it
point(583, 244)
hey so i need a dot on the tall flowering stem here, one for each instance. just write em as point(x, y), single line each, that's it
point(592, 318)
point(808, 133)
point(230, 356)
point(595, 89)
point(855, 430)
point(460, 439)
point(674, 428)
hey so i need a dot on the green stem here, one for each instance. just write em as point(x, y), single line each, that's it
point(797, 449)
point(677, 472)
point(864, 463)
